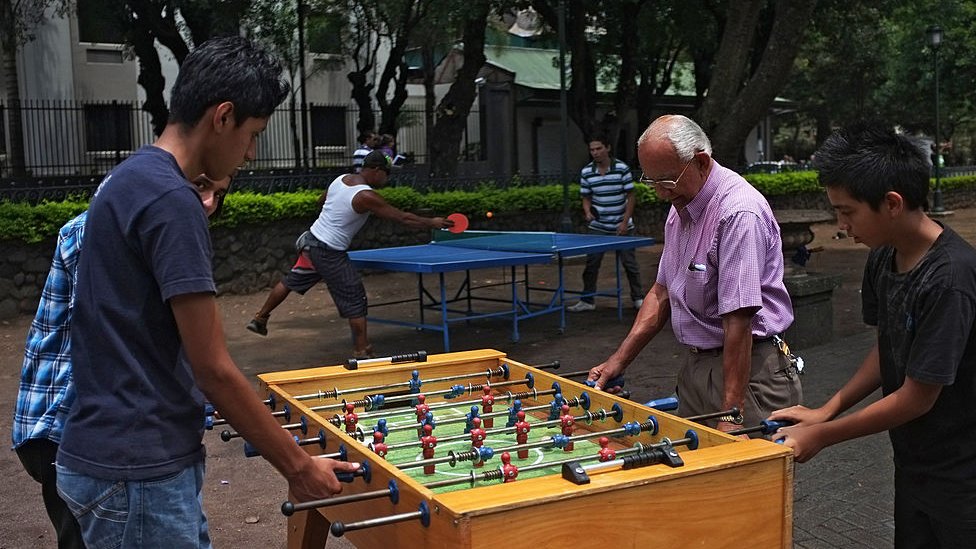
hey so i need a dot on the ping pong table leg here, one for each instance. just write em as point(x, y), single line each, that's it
point(515, 307)
point(420, 296)
point(620, 301)
point(444, 323)
point(560, 295)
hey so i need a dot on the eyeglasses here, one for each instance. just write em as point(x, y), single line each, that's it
point(666, 183)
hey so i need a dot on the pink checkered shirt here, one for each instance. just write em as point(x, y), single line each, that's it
point(723, 252)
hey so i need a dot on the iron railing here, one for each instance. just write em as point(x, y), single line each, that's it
point(82, 139)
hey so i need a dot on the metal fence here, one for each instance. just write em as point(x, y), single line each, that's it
point(76, 139)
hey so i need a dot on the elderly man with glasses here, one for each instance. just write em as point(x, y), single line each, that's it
point(720, 282)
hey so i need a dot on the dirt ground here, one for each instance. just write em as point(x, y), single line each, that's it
point(243, 496)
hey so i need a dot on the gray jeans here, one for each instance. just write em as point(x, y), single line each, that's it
point(628, 258)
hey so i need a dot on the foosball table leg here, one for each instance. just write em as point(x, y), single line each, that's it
point(307, 530)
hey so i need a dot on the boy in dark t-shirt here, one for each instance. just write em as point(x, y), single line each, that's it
point(147, 339)
point(919, 289)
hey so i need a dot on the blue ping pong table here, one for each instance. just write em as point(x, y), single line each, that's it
point(463, 252)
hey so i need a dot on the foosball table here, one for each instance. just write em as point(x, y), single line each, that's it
point(474, 449)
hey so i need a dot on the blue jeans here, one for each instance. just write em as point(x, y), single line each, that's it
point(165, 512)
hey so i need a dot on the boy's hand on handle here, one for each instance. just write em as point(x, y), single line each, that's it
point(804, 435)
point(318, 479)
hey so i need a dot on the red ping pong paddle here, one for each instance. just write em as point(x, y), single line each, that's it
point(460, 222)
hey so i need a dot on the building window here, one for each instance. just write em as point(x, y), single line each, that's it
point(99, 23)
point(108, 127)
point(328, 126)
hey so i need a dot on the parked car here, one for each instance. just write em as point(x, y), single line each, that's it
point(771, 167)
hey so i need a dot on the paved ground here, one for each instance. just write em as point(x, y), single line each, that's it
point(843, 498)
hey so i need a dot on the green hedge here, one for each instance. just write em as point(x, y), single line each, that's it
point(21, 221)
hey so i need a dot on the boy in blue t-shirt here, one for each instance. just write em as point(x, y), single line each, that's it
point(919, 289)
point(147, 340)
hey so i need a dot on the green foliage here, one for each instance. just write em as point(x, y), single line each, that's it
point(960, 182)
point(22, 221)
point(785, 183)
point(250, 208)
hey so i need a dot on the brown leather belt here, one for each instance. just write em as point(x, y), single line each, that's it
point(718, 350)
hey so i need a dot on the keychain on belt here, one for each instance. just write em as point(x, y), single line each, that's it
point(795, 361)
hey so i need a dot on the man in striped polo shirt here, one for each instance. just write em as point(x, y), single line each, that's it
point(607, 190)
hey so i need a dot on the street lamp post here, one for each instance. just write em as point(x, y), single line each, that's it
point(935, 34)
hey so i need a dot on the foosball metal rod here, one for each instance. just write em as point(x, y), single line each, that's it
point(661, 452)
point(392, 491)
point(691, 440)
point(581, 400)
point(335, 392)
point(339, 528)
point(508, 396)
point(558, 441)
point(576, 401)
point(375, 402)
point(302, 425)
point(417, 356)
point(625, 394)
point(732, 412)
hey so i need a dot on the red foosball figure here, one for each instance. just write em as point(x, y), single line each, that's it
point(379, 447)
point(350, 419)
point(429, 442)
point(422, 408)
point(567, 420)
point(522, 429)
point(477, 438)
point(606, 453)
point(487, 401)
point(509, 471)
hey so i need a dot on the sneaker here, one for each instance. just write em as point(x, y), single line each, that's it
point(258, 326)
point(367, 353)
point(638, 303)
point(581, 306)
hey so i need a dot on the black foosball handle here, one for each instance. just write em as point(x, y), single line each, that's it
point(416, 356)
point(766, 427)
point(615, 382)
point(554, 365)
point(363, 471)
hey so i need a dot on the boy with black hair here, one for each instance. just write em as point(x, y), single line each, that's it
point(919, 289)
point(147, 339)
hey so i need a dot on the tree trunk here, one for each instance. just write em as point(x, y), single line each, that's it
point(150, 73)
point(625, 100)
point(395, 70)
point(15, 131)
point(731, 110)
point(430, 99)
point(581, 94)
point(453, 110)
point(362, 96)
point(582, 88)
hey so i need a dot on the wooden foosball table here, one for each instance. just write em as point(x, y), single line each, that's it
point(579, 466)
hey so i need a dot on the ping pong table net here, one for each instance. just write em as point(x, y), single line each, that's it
point(513, 241)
